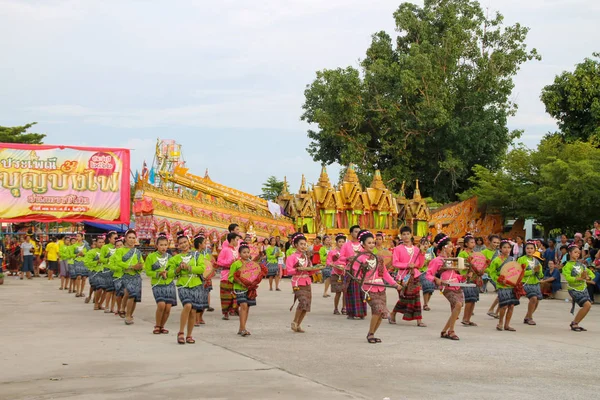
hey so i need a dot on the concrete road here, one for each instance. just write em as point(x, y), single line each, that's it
point(56, 347)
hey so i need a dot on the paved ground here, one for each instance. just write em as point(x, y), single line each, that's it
point(54, 347)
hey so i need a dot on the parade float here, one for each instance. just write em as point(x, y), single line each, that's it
point(168, 198)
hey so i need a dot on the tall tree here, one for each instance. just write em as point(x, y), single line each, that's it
point(429, 104)
point(271, 188)
point(557, 184)
point(19, 134)
point(574, 101)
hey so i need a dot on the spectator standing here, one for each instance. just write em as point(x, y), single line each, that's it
point(550, 253)
point(26, 257)
point(52, 258)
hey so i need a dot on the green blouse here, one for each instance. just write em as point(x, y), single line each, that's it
point(121, 267)
point(91, 260)
point(530, 277)
point(186, 278)
point(573, 270)
point(273, 253)
point(155, 264)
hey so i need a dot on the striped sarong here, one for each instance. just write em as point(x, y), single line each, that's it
point(355, 306)
point(228, 303)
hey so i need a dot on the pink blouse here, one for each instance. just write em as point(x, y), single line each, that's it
point(227, 256)
point(299, 278)
point(349, 250)
point(330, 255)
point(448, 275)
point(401, 258)
point(374, 275)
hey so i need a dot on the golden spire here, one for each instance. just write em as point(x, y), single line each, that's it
point(377, 181)
point(285, 186)
point(402, 194)
point(303, 184)
point(417, 193)
point(350, 175)
point(324, 179)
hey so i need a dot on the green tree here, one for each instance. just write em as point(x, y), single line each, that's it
point(18, 134)
point(429, 104)
point(574, 101)
point(557, 184)
point(271, 188)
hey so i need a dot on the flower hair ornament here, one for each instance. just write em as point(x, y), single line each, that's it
point(363, 234)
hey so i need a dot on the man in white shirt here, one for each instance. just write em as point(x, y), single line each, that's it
point(26, 257)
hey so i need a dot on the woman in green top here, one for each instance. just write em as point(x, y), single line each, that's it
point(188, 272)
point(128, 262)
point(491, 253)
point(323, 251)
point(273, 253)
point(63, 254)
point(578, 276)
point(471, 293)
point(116, 276)
point(71, 265)
point(92, 263)
point(202, 254)
point(78, 252)
point(531, 281)
point(507, 300)
point(156, 267)
point(105, 281)
point(240, 291)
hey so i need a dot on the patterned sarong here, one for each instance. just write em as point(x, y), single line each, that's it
point(454, 297)
point(409, 303)
point(355, 306)
point(228, 303)
point(378, 303)
point(304, 297)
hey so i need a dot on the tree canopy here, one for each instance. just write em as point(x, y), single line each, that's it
point(557, 184)
point(19, 134)
point(429, 104)
point(271, 188)
point(574, 101)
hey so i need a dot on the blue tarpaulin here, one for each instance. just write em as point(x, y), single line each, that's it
point(119, 228)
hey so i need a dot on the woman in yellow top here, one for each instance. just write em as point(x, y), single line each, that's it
point(51, 256)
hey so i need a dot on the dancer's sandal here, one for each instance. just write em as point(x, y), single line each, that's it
point(294, 327)
point(163, 330)
point(468, 323)
point(189, 340)
point(344, 312)
point(421, 325)
point(244, 333)
point(300, 330)
point(498, 327)
point(576, 328)
point(87, 300)
point(128, 321)
point(180, 338)
point(391, 321)
point(156, 330)
point(426, 308)
point(336, 312)
point(452, 336)
point(371, 339)
point(509, 329)
point(529, 321)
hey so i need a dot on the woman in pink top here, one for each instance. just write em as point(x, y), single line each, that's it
point(437, 274)
point(407, 259)
point(337, 274)
point(355, 307)
point(372, 288)
point(300, 280)
point(228, 255)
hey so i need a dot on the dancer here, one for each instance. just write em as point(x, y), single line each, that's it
point(188, 272)
point(506, 295)
point(117, 278)
point(229, 253)
point(531, 281)
point(407, 259)
point(373, 283)
point(301, 282)
point(578, 276)
point(130, 261)
point(427, 286)
point(157, 268)
point(272, 252)
point(437, 272)
point(70, 253)
point(79, 249)
point(63, 246)
point(378, 243)
point(325, 272)
point(337, 274)
point(202, 254)
point(355, 307)
point(244, 298)
point(105, 281)
point(491, 253)
point(92, 263)
point(471, 293)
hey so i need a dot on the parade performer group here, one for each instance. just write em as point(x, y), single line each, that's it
point(355, 269)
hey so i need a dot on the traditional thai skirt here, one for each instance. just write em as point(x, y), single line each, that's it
point(454, 297)
point(133, 284)
point(426, 285)
point(80, 269)
point(93, 278)
point(409, 303)
point(64, 269)
point(242, 297)
point(355, 306)
point(272, 269)
point(471, 294)
point(192, 296)
point(71, 271)
point(378, 303)
point(304, 297)
point(533, 291)
point(228, 303)
point(119, 287)
point(580, 297)
point(506, 297)
point(165, 293)
point(337, 283)
point(326, 272)
point(107, 281)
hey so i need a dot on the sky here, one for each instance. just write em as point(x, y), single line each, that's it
point(226, 78)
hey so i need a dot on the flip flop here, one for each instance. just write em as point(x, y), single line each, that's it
point(510, 329)
point(390, 321)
